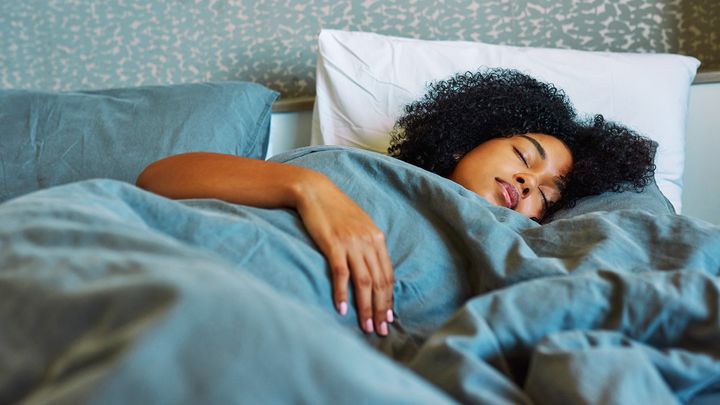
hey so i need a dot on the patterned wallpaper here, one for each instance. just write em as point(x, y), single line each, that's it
point(83, 44)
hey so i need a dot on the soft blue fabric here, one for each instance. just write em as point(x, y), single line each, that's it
point(56, 138)
point(116, 295)
point(650, 199)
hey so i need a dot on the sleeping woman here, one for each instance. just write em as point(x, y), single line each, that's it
point(513, 140)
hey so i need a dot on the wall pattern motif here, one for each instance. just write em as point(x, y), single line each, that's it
point(85, 44)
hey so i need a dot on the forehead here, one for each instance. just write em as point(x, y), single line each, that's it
point(550, 145)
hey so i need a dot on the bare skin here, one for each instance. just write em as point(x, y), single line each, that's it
point(523, 173)
point(353, 245)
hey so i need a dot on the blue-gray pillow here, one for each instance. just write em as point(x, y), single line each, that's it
point(650, 199)
point(52, 138)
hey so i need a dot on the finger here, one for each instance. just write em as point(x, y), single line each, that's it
point(389, 274)
point(362, 282)
point(340, 277)
point(379, 293)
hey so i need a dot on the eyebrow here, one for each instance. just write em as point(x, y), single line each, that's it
point(537, 145)
point(560, 182)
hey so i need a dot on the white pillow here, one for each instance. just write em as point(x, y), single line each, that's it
point(364, 80)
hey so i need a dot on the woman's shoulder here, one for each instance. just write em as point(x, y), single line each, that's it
point(292, 154)
point(343, 158)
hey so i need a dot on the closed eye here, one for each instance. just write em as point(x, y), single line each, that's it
point(520, 155)
point(545, 201)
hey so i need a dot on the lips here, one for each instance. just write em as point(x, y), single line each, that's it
point(509, 193)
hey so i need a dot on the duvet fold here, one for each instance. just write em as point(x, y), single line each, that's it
point(111, 294)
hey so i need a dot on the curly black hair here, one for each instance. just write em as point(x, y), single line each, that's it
point(462, 112)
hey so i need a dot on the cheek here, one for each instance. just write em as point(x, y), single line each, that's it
point(478, 185)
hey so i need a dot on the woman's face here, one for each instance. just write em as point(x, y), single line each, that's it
point(524, 172)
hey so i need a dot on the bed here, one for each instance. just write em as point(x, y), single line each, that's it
point(112, 294)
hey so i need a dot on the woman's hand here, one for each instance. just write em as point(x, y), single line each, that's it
point(355, 249)
point(352, 244)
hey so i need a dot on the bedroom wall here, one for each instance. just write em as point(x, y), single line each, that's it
point(701, 198)
point(77, 44)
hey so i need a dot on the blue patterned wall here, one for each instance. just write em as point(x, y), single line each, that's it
point(76, 44)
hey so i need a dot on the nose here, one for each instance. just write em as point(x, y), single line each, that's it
point(526, 182)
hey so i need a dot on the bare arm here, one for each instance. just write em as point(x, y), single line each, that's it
point(230, 178)
point(353, 245)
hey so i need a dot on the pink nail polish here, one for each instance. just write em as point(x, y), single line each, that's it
point(342, 308)
point(390, 316)
point(369, 326)
point(383, 329)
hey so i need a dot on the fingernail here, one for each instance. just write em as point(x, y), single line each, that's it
point(342, 308)
point(369, 326)
point(390, 316)
point(383, 329)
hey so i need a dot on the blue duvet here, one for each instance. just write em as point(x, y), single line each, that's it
point(110, 294)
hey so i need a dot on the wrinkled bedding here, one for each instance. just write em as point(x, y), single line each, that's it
point(111, 294)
